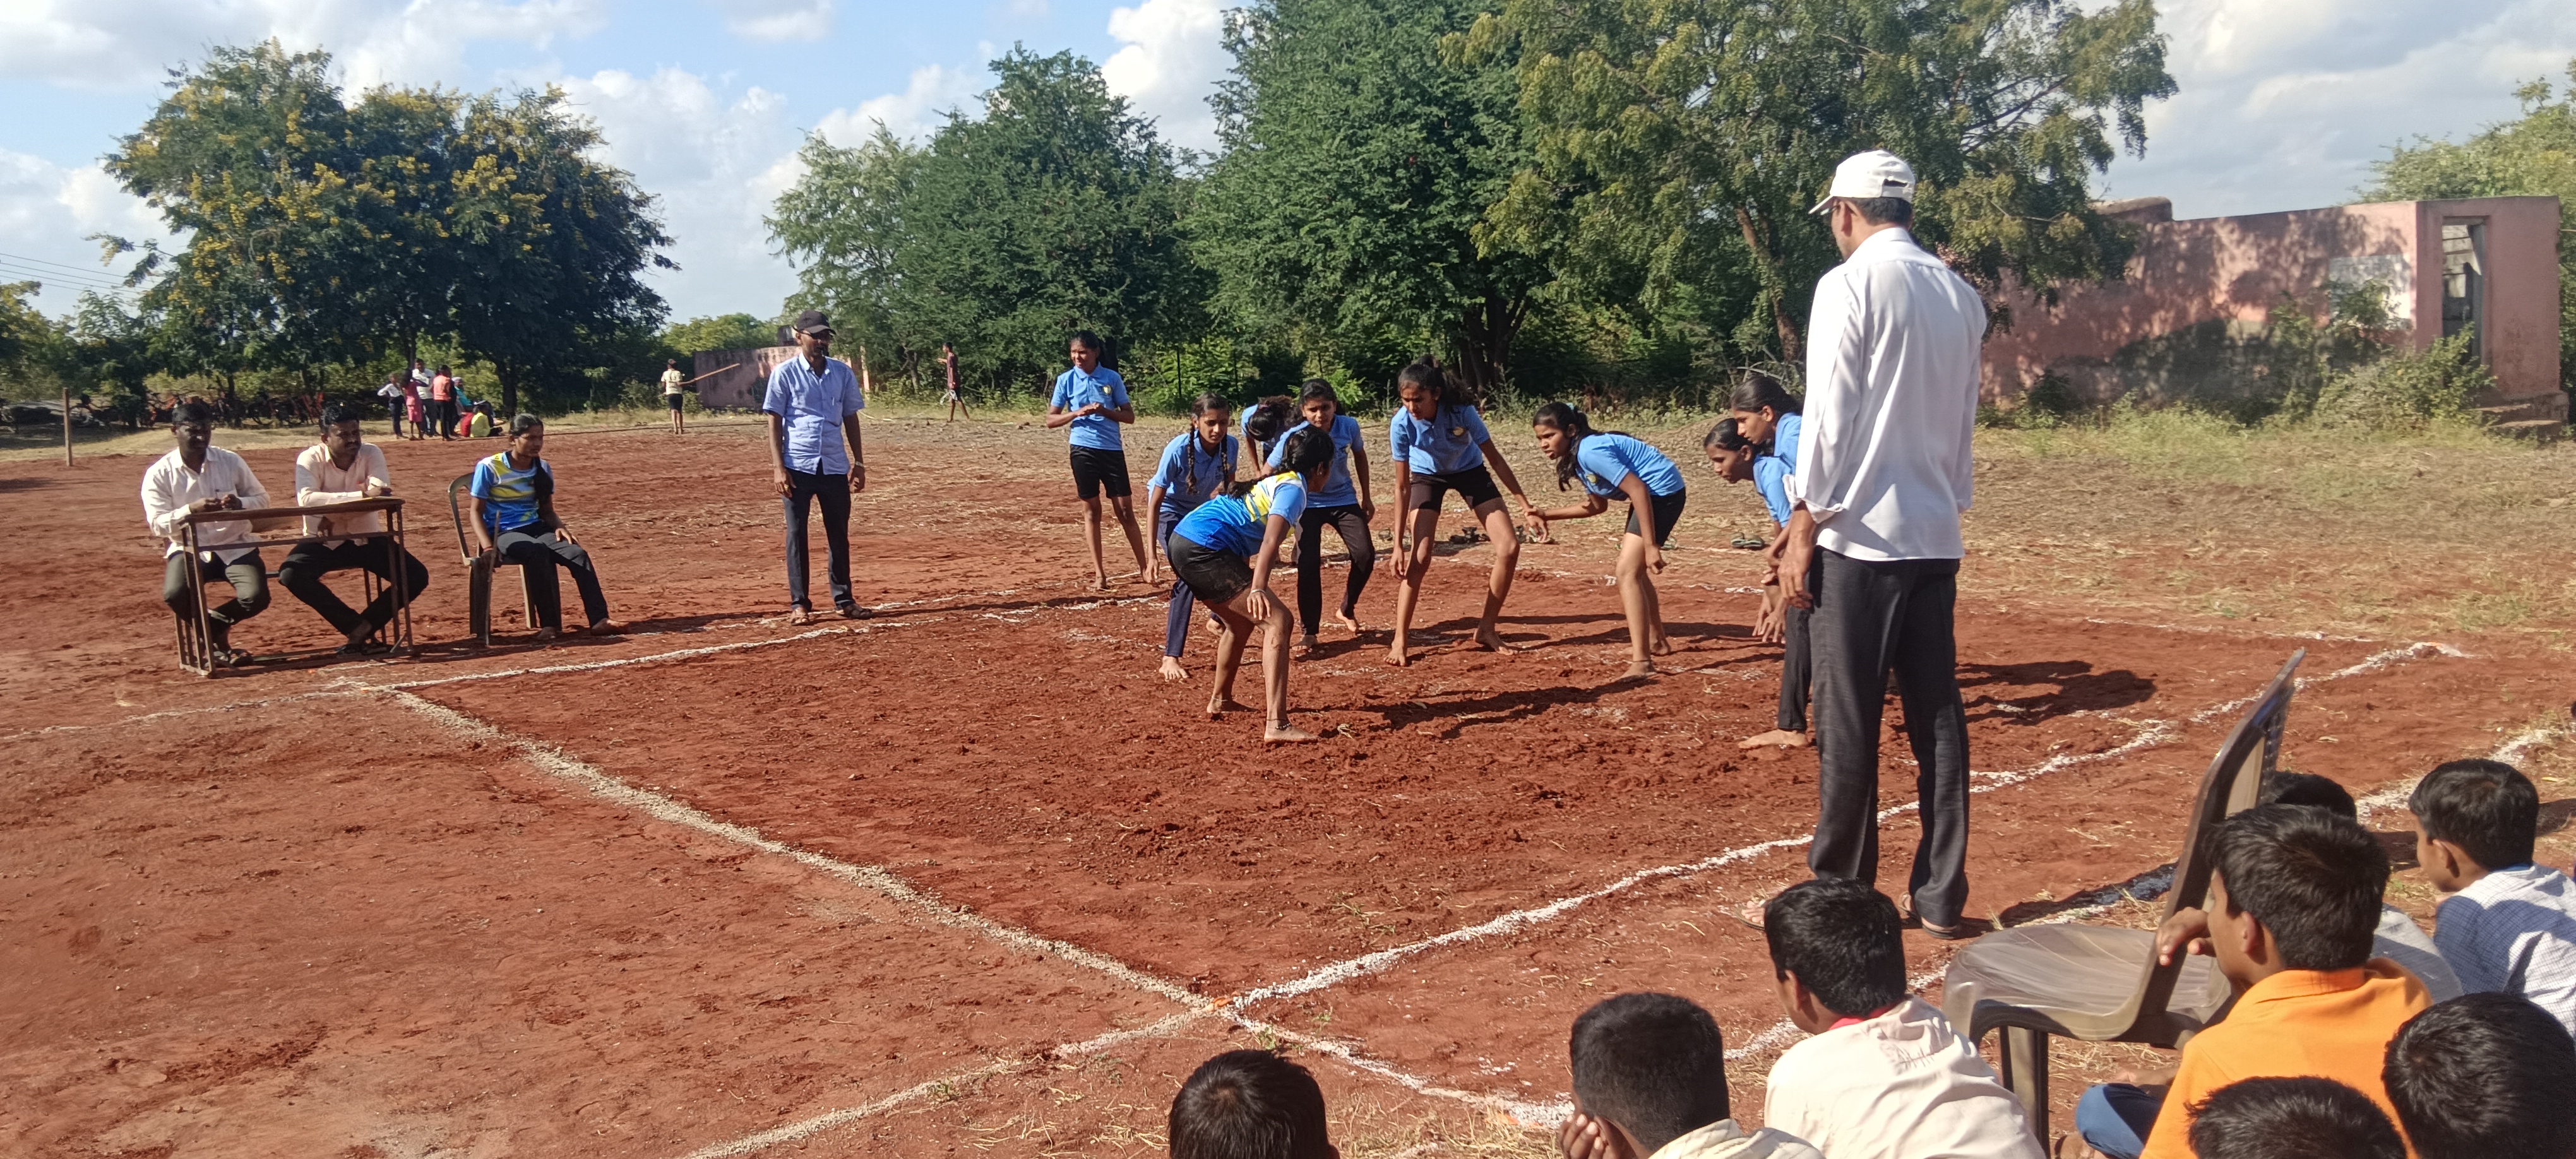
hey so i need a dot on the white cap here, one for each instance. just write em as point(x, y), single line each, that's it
point(1877, 173)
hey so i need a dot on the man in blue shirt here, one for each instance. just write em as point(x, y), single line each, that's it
point(1092, 399)
point(813, 403)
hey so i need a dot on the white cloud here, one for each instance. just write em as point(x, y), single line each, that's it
point(2285, 103)
point(773, 20)
point(1173, 55)
point(912, 114)
point(46, 212)
point(109, 44)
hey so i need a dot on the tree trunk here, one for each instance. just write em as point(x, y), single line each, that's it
point(509, 376)
point(1485, 336)
point(1774, 289)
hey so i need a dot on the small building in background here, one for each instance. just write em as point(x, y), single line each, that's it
point(2189, 319)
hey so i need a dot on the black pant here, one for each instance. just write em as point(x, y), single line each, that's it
point(1872, 617)
point(306, 565)
point(1796, 667)
point(182, 587)
point(1346, 522)
point(803, 489)
point(442, 417)
point(540, 552)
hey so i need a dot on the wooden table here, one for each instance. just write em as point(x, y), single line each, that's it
point(196, 633)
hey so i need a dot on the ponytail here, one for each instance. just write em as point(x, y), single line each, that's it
point(1574, 423)
point(1759, 391)
point(1427, 373)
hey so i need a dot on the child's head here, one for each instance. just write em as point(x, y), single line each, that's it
point(1249, 1104)
point(1729, 451)
point(2308, 789)
point(2293, 888)
point(1561, 430)
point(1758, 403)
point(1317, 404)
point(2484, 1076)
point(1423, 386)
point(1269, 417)
point(2292, 1118)
point(2471, 817)
point(1652, 1065)
point(1837, 947)
point(1208, 416)
point(1309, 453)
point(1085, 349)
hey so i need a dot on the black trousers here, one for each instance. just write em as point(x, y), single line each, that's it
point(833, 491)
point(181, 583)
point(1346, 522)
point(306, 565)
point(1872, 618)
point(541, 553)
point(1797, 666)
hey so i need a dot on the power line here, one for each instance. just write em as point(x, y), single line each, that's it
point(94, 271)
point(74, 281)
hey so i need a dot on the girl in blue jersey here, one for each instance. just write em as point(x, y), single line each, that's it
point(1194, 468)
point(1618, 466)
point(1343, 502)
point(1766, 416)
point(1223, 551)
point(1440, 444)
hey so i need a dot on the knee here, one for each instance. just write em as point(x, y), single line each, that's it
point(1507, 549)
point(255, 601)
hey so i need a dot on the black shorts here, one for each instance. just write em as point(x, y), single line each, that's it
point(1668, 511)
point(1475, 485)
point(1096, 470)
point(1215, 575)
point(673, 399)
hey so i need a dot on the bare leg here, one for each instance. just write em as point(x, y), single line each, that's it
point(1635, 598)
point(1091, 527)
point(1507, 561)
point(1229, 658)
point(1659, 643)
point(1274, 673)
point(1408, 588)
point(1135, 539)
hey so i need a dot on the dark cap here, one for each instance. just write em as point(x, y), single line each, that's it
point(813, 322)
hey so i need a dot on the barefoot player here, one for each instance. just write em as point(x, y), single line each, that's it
point(1224, 551)
point(1440, 445)
point(1092, 399)
point(1618, 466)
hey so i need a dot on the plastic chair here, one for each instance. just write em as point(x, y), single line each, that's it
point(478, 584)
point(2101, 983)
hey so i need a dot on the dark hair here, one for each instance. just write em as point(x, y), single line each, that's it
point(2487, 808)
point(1883, 210)
point(1249, 1104)
point(337, 413)
point(522, 424)
point(1427, 373)
point(1269, 417)
point(2484, 1076)
point(1318, 390)
point(442, 369)
point(1573, 422)
point(1843, 940)
point(1724, 435)
point(2312, 878)
point(2308, 789)
point(2292, 1118)
point(1190, 459)
point(1307, 451)
point(191, 413)
point(1759, 390)
point(1652, 1063)
point(1089, 341)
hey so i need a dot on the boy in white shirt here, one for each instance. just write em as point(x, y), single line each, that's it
point(2510, 925)
point(344, 468)
point(1650, 1083)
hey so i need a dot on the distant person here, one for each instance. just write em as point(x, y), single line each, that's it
point(2509, 925)
point(1196, 466)
point(2486, 1076)
point(392, 393)
point(1650, 1083)
point(1225, 549)
point(1439, 443)
point(415, 403)
point(2292, 1118)
point(1092, 399)
point(442, 404)
point(1882, 478)
point(1884, 1075)
point(198, 476)
point(813, 403)
point(1613, 465)
point(1249, 1104)
point(1343, 503)
point(674, 384)
point(511, 506)
point(345, 468)
point(956, 401)
point(481, 425)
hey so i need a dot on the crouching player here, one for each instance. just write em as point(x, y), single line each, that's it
point(1224, 550)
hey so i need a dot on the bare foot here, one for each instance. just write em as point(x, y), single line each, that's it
point(1492, 641)
point(1639, 670)
point(1395, 657)
point(1100, 583)
point(1347, 621)
point(1172, 669)
point(1778, 737)
point(1660, 646)
point(1221, 704)
point(1283, 733)
point(1306, 646)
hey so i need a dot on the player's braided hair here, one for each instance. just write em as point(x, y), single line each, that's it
point(1575, 423)
point(1190, 459)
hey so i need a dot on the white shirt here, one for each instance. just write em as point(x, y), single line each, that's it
point(2514, 931)
point(318, 481)
point(1724, 1140)
point(1883, 462)
point(2400, 940)
point(169, 487)
point(1903, 1085)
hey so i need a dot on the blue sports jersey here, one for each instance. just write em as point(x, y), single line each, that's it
point(512, 498)
point(1771, 470)
point(1189, 474)
point(1606, 461)
point(1075, 390)
point(1337, 490)
point(1448, 443)
point(1229, 523)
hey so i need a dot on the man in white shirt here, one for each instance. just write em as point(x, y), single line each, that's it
point(200, 476)
point(1882, 476)
point(1885, 1075)
point(344, 468)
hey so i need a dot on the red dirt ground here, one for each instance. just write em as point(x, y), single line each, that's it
point(294, 913)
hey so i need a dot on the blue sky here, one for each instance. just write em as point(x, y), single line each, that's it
point(2284, 102)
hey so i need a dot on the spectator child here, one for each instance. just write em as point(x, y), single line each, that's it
point(1885, 1075)
point(2487, 1076)
point(1439, 443)
point(1650, 1083)
point(1224, 551)
point(511, 505)
point(2292, 1118)
point(2512, 925)
point(1249, 1104)
point(1342, 502)
point(1195, 466)
point(1615, 465)
point(1092, 399)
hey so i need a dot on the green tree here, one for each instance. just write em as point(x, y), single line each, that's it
point(721, 332)
point(2532, 156)
point(1660, 126)
point(1359, 160)
point(843, 223)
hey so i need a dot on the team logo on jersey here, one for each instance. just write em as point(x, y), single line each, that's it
point(1457, 432)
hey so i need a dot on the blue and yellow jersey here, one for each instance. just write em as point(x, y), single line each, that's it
point(1235, 522)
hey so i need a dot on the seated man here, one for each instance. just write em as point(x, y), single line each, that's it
point(2487, 1076)
point(2292, 1119)
point(2511, 925)
point(344, 468)
point(511, 503)
point(1886, 1076)
point(200, 476)
point(2294, 900)
point(1650, 1083)
point(1249, 1104)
